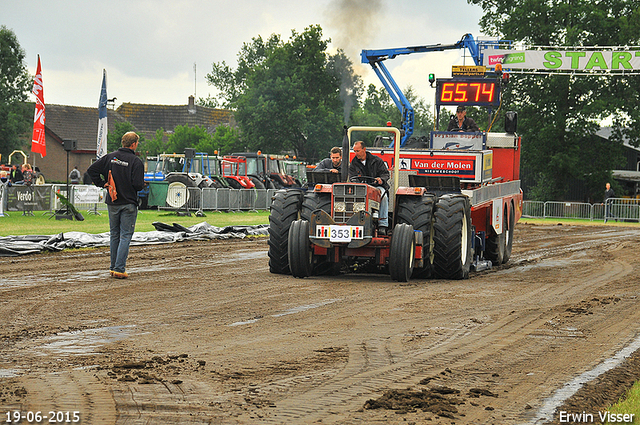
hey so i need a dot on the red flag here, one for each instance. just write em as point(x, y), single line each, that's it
point(38, 140)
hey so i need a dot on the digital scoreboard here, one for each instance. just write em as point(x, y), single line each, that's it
point(468, 92)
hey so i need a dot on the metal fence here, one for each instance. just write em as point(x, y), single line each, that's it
point(212, 199)
point(618, 209)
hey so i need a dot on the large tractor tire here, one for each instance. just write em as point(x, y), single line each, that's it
point(300, 253)
point(495, 244)
point(319, 201)
point(178, 191)
point(285, 209)
point(315, 201)
point(233, 183)
point(452, 237)
point(418, 212)
point(509, 234)
point(256, 181)
point(401, 253)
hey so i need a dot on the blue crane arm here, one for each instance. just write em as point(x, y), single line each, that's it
point(375, 58)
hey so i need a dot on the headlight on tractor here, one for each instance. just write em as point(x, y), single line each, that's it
point(359, 206)
point(340, 207)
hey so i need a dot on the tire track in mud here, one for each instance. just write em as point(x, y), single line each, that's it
point(71, 391)
point(511, 323)
point(363, 378)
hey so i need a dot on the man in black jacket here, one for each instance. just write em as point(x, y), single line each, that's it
point(332, 163)
point(369, 165)
point(461, 122)
point(122, 172)
point(608, 194)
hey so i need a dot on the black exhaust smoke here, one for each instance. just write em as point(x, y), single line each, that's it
point(344, 167)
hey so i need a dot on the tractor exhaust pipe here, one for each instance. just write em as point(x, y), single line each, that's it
point(344, 166)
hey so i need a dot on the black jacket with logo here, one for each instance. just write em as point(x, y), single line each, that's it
point(374, 166)
point(127, 171)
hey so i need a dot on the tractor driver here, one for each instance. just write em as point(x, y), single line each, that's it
point(367, 165)
point(332, 163)
point(461, 122)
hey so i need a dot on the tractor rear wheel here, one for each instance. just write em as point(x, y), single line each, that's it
point(300, 253)
point(496, 244)
point(285, 208)
point(509, 234)
point(401, 253)
point(452, 237)
point(256, 181)
point(235, 184)
point(178, 191)
point(315, 201)
point(418, 212)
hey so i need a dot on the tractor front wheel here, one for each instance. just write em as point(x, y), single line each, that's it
point(401, 254)
point(300, 254)
point(418, 212)
point(285, 209)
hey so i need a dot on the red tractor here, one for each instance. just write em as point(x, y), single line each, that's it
point(234, 171)
point(442, 225)
point(267, 169)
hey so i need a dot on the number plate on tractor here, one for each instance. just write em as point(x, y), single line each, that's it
point(338, 233)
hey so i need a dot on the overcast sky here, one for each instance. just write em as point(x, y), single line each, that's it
point(149, 47)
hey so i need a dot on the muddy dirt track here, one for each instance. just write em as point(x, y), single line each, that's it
point(202, 333)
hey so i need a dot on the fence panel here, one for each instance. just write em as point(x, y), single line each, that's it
point(88, 198)
point(247, 199)
point(622, 209)
point(579, 210)
point(533, 209)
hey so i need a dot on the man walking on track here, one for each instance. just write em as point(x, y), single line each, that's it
point(122, 172)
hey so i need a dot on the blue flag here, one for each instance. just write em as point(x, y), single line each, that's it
point(102, 118)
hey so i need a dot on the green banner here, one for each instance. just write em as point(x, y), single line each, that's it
point(29, 198)
point(587, 61)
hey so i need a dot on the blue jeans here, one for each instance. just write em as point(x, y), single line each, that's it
point(383, 219)
point(122, 224)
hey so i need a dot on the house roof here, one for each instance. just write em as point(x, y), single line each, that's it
point(78, 123)
point(149, 118)
point(605, 133)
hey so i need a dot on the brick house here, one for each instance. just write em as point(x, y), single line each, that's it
point(149, 118)
point(75, 123)
point(81, 124)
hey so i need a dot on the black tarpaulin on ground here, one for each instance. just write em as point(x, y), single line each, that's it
point(13, 246)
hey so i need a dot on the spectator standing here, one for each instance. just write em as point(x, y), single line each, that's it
point(122, 172)
point(74, 175)
point(28, 176)
point(16, 174)
point(608, 194)
point(86, 178)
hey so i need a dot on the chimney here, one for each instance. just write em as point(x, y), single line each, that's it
point(192, 106)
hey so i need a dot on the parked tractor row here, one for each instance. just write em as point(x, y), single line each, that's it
point(245, 170)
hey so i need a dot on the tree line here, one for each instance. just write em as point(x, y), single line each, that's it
point(293, 96)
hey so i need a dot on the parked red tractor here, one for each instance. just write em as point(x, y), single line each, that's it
point(234, 170)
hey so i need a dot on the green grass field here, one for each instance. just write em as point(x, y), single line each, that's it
point(38, 224)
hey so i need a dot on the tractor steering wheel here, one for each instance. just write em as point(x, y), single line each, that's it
point(364, 179)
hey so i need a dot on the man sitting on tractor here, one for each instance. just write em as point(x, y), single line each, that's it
point(366, 164)
point(331, 164)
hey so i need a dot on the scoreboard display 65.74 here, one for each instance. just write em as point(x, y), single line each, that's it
point(480, 92)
